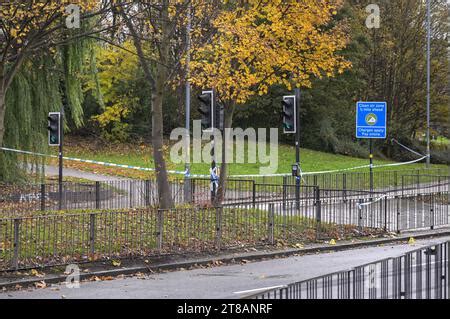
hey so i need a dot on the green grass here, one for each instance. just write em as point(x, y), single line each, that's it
point(66, 237)
point(441, 140)
point(311, 161)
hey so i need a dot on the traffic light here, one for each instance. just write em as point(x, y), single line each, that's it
point(54, 129)
point(220, 117)
point(206, 109)
point(289, 114)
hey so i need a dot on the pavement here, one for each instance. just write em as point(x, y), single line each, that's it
point(236, 280)
point(54, 171)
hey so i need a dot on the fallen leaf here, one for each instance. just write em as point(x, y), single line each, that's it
point(107, 278)
point(36, 273)
point(116, 263)
point(40, 285)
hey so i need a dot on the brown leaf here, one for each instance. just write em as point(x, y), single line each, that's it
point(40, 285)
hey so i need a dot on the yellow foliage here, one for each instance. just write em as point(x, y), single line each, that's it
point(281, 42)
point(114, 113)
point(24, 17)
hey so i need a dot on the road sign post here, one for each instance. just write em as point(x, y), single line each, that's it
point(291, 125)
point(371, 120)
point(55, 138)
point(297, 147)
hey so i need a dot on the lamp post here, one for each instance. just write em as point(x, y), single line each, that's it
point(187, 184)
point(428, 78)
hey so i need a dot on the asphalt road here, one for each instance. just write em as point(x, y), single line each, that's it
point(224, 282)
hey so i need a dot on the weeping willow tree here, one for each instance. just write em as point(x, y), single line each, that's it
point(42, 60)
point(49, 81)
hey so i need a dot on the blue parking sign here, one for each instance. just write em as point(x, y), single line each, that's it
point(371, 120)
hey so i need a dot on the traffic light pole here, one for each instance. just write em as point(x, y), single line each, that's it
point(215, 124)
point(371, 164)
point(297, 148)
point(213, 170)
point(187, 184)
point(60, 178)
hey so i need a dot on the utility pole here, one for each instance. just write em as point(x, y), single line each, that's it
point(297, 147)
point(60, 178)
point(428, 78)
point(187, 184)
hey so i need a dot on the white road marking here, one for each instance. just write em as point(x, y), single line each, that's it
point(259, 289)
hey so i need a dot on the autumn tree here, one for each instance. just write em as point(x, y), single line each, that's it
point(39, 59)
point(157, 30)
point(257, 44)
point(396, 67)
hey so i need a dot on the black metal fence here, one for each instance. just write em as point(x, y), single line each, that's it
point(420, 274)
point(383, 180)
point(58, 238)
point(61, 238)
point(107, 195)
point(131, 194)
point(422, 184)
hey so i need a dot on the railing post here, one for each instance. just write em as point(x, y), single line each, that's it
point(92, 234)
point(254, 194)
point(284, 192)
point(360, 217)
point(97, 195)
point(187, 189)
point(160, 228)
point(318, 205)
point(397, 206)
point(439, 185)
point(270, 225)
point(418, 182)
point(147, 186)
point(15, 261)
point(403, 185)
point(219, 214)
point(42, 197)
point(344, 186)
point(192, 190)
point(131, 183)
point(432, 201)
point(385, 214)
point(395, 179)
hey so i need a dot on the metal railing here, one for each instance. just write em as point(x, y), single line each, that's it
point(383, 180)
point(420, 274)
point(57, 238)
point(131, 194)
point(61, 238)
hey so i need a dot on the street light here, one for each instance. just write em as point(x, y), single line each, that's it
point(428, 78)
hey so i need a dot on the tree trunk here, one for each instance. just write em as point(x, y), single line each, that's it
point(2, 112)
point(165, 196)
point(157, 83)
point(228, 122)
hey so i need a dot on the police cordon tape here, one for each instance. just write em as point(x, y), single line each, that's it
point(73, 159)
point(185, 173)
point(361, 205)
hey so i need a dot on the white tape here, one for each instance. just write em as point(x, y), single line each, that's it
point(205, 176)
point(360, 206)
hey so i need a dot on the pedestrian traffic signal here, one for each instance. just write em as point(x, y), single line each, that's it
point(220, 117)
point(54, 128)
point(289, 114)
point(206, 109)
